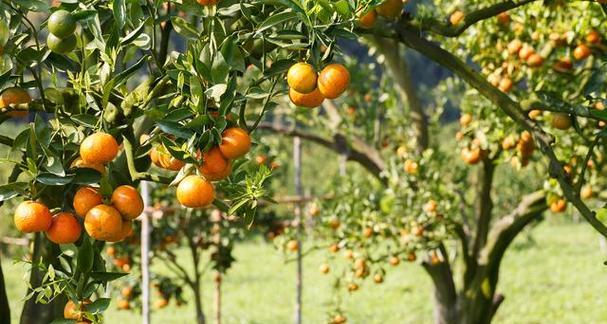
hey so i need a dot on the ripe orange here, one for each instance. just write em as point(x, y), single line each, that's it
point(471, 155)
point(214, 165)
point(339, 319)
point(563, 65)
point(593, 37)
point(503, 18)
point(535, 60)
point(561, 121)
point(456, 17)
point(558, 206)
point(525, 145)
point(161, 303)
point(15, 96)
point(514, 46)
point(586, 192)
point(367, 20)
point(111, 251)
point(352, 287)
point(103, 223)
point(74, 311)
point(64, 229)
point(123, 304)
point(99, 148)
point(235, 142)
point(164, 160)
point(410, 167)
point(85, 199)
point(302, 77)
point(32, 216)
point(505, 85)
point(324, 268)
point(126, 229)
point(508, 143)
point(525, 52)
point(310, 100)
point(195, 192)
point(367, 232)
point(394, 261)
point(411, 257)
point(465, 120)
point(390, 9)
point(79, 163)
point(126, 292)
point(261, 159)
point(581, 52)
point(128, 201)
point(292, 245)
point(207, 2)
point(333, 80)
point(377, 278)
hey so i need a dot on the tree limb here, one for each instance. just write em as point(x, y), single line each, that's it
point(363, 154)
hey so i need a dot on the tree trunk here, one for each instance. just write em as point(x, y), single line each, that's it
point(200, 319)
point(34, 313)
point(5, 312)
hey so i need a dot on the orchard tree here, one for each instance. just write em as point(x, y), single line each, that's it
point(195, 77)
point(531, 92)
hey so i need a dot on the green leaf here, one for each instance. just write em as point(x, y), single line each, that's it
point(54, 180)
point(175, 129)
point(275, 19)
point(184, 28)
point(220, 69)
point(34, 5)
point(107, 276)
point(86, 120)
point(12, 190)
point(119, 10)
point(232, 55)
point(86, 176)
point(98, 306)
point(85, 257)
point(216, 91)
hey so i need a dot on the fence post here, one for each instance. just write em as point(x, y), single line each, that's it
point(299, 223)
point(145, 253)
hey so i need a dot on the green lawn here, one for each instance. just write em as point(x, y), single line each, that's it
point(559, 279)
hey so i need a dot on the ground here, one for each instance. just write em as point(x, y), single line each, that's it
point(555, 277)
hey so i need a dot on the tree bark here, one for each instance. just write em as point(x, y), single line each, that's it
point(200, 318)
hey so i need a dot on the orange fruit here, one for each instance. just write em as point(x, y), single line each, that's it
point(514, 46)
point(394, 261)
point(324, 268)
point(558, 206)
point(15, 96)
point(456, 17)
point(333, 80)
point(98, 148)
point(339, 319)
point(525, 52)
point(471, 156)
point(563, 65)
point(64, 229)
point(292, 245)
point(261, 159)
point(310, 100)
point(410, 167)
point(593, 37)
point(126, 230)
point(61, 23)
point(207, 2)
point(503, 18)
point(235, 142)
point(103, 223)
point(85, 199)
point(586, 192)
point(505, 85)
point(32, 216)
point(535, 60)
point(161, 303)
point(302, 77)
point(164, 160)
point(367, 20)
point(390, 9)
point(465, 120)
point(581, 52)
point(128, 201)
point(123, 304)
point(214, 166)
point(378, 278)
point(561, 121)
point(74, 311)
point(195, 192)
point(79, 163)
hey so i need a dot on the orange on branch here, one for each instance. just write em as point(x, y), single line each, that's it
point(85, 199)
point(15, 96)
point(235, 142)
point(127, 200)
point(32, 216)
point(98, 148)
point(367, 20)
point(79, 163)
point(214, 165)
point(103, 223)
point(309, 100)
point(195, 192)
point(390, 9)
point(302, 77)
point(64, 229)
point(333, 80)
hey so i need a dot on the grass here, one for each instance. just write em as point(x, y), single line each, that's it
point(558, 278)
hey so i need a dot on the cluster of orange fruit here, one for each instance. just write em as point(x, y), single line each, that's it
point(197, 191)
point(389, 9)
point(73, 311)
point(309, 89)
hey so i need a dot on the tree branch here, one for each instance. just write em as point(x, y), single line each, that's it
point(484, 205)
point(363, 154)
point(444, 289)
point(448, 30)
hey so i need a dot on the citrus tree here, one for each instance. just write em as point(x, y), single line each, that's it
point(531, 93)
point(195, 77)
